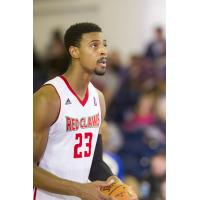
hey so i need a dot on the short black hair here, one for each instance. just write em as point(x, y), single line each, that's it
point(74, 33)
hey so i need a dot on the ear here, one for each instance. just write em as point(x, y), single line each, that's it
point(74, 51)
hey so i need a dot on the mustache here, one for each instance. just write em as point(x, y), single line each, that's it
point(103, 59)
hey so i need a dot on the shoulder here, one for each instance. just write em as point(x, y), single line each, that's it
point(46, 104)
point(47, 94)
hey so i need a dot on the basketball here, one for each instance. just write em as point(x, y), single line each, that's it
point(119, 191)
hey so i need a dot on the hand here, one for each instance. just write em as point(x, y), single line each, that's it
point(113, 179)
point(131, 192)
point(91, 191)
point(133, 195)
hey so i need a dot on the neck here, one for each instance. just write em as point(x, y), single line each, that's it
point(78, 79)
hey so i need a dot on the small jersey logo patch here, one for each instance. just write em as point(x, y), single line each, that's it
point(68, 102)
point(95, 102)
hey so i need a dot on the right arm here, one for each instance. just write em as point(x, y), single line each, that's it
point(46, 106)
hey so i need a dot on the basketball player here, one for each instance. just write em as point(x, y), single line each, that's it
point(68, 113)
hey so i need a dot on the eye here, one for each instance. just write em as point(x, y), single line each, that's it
point(105, 45)
point(94, 45)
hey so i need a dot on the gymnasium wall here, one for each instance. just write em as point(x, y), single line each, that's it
point(127, 24)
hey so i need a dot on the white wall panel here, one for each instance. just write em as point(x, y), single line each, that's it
point(127, 24)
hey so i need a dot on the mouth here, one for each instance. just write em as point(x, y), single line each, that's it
point(102, 62)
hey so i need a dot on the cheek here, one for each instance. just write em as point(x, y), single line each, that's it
point(88, 59)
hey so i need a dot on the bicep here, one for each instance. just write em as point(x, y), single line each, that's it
point(44, 114)
point(39, 144)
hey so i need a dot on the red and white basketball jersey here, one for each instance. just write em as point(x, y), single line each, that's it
point(72, 138)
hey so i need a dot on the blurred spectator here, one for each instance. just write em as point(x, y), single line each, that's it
point(144, 190)
point(127, 95)
point(158, 165)
point(142, 135)
point(148, 75)
point(116, 66)
point(109, 155)
point(156, 133)
point(160, 67)
point(111, 81)
point(113, 139)
point(163, 189)
point(115, 164)
point(56, 55)
point(160, 111)
point(143, 114)
point(157, 176)
point(133, 79)
point(157, 47)
point(39, 75)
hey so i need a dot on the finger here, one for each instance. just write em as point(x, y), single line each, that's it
point(113, 177)
point(110, 181)
point(103, 183)
point(104, 197)
point(112, 198)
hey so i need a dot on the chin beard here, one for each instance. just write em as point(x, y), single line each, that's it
point(99, 73)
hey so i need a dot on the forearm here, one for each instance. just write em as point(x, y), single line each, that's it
point(47, 181)
point(99, 169)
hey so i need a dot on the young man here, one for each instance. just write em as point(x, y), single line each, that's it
point(68, 112)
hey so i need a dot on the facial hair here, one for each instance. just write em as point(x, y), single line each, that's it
point(99, 73)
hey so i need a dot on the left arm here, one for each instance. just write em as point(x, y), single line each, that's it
point(99, 169)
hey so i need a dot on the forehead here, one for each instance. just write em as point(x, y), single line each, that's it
point(88, 37)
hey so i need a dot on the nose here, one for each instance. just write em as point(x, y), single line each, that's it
point(103, 50)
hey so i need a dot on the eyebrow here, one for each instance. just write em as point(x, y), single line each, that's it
point(97, 41)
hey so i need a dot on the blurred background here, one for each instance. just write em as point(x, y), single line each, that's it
point(133, 86)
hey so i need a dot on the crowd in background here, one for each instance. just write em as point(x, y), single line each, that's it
point(134, 138)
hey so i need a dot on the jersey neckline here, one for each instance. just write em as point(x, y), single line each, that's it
point(85, 99)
